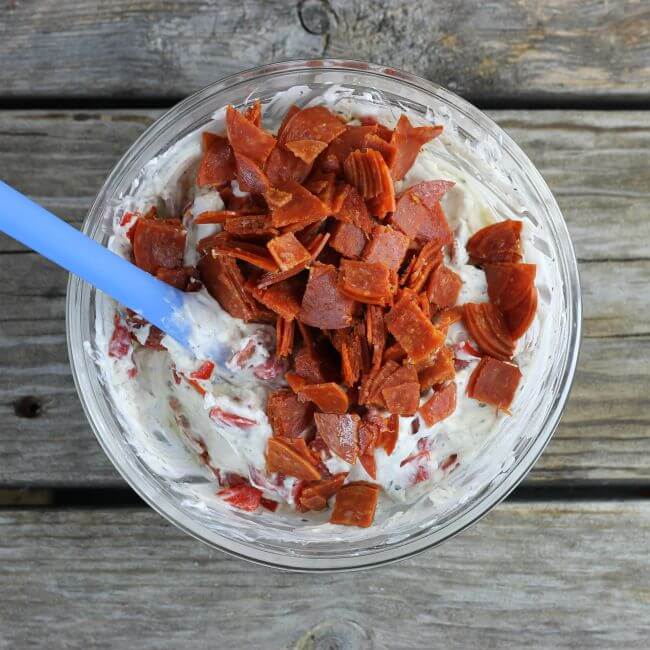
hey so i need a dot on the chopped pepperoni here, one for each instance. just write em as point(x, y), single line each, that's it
point(254, 113)
point(387, 150)
point(225, 283)
point(295, 381)
point(351, 139)
point(440, 406)
point(282, 167)
point(185, 279)
point(390, 434)
point(247, 139)
point(314, 496)
point(365, 282)
point(428, 260)
point(375, 332)
point(250, 176)
point(499, 242)
point(204, 371)
point(282, 458)
point(441, 370)
point(349, 345)
point(302, 207)
point(329, 397)
point(217, 165)
point(368, 172)
point(250, 225)
point(386, 246)
point(215, 216)
point(355, 504)
point(486, 325)
point(403, 399)
point(347, 239)
point(158, 244)
point(306, 150)
point(444, 287)
point(413, 330)
point(519, 318)
point(494, 382)
point(369, 464)
point(284, 333)
point(353, 210)
point(314, 365)
point(244, 497)
point(340, 433)
point(287, 251)
point(509, 283)
point(231, 419)
point(243, 250)
point(288, 416)
point(448, 317)
point(371, 393)
point(283, 298)
point(418, 213)
point(323, 304)
point(408, 141)
point(315, 123)
point(120, 344)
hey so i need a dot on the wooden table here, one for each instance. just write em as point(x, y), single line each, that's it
point(562, 564)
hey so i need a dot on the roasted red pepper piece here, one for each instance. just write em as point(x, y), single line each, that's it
point(244, 497)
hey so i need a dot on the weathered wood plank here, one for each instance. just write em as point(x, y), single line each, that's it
point(126, 578)
point(597, 164)
point(489, 51)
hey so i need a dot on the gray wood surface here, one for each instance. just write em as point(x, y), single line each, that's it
point(527, 576)
point(597, 163)
point(497, 51)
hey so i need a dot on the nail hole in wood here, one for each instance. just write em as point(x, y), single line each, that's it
point(28, 407)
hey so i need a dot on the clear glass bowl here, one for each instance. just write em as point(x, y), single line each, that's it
point(485, 152)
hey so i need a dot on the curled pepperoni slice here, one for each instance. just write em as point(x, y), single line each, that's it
point(355, 504)
point(365, 282)
point(509, 283)
point(419, 215)
point(243, 250)
point(323, 304)
point(282, 458)
point(217, 165)
point(340, 433)
point(315, 123)
point(443, 287)
point(347, 239)
point(387, 150)
point(390, 434)
point(408, 141)
point(368, 172)
point(287, 251)
point(353, 138)
point(302, 207)
point(486, 325)
point(519, 318)
point(428, 259)
point(288, 416)
point(329, 398)
point(386, 246)
point(158, 244)
point(440, 406)
point(494, 382)
point(499, 242)
point(247, 139)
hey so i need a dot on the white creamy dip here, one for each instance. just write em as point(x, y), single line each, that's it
point(154, 402)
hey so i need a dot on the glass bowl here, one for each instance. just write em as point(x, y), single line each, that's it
point(494, 160)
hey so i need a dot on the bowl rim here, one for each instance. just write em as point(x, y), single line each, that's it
point(487, 502)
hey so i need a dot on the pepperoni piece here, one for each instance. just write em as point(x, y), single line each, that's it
point(366, 282)
point(353, 138)
point(519, 318)
point(243, 496)
point(443, 287)
point(216, 216)
point(386, 246)
point(250, 176)
point(315, 123)
point(225, 283)
point(254, 113)
point(340, 433)
point(499, 242)
point(291, 111)
point(413, 330)
point(440, 406)
point(314, 496)
point(287, 251)
point(284, 332)
point(349, 345)
point(250, 225)
point(371, 430)
point(354, 211)
point(313, 363)
point(375, 383)
point(217, 165)
point(418, 213)
point(375, 332)
point(486, 325)
point(387, 150)
point(247, 139)
point(390, 434)
point(306, 150)
point(441, 370)
point(494, 382)
point(283, 298)
point(288, 416)
point(185, 279)
point(368, 172)
point(282, 458)
point(295, 381)
point(355, 504)
point(243, 250)
point(282, 167)
point(158, 244)
point(509, 283)
point(408, 141)
point(369, 464)
point(329, 398)
point(427, 260)
point(323, 304)
point(403, 399)
point(347, 239)
point(302, 207)
point(448, 317)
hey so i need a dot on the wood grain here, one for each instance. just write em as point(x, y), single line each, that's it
point(126, 578)
point(513, 50)
point(62, 158)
